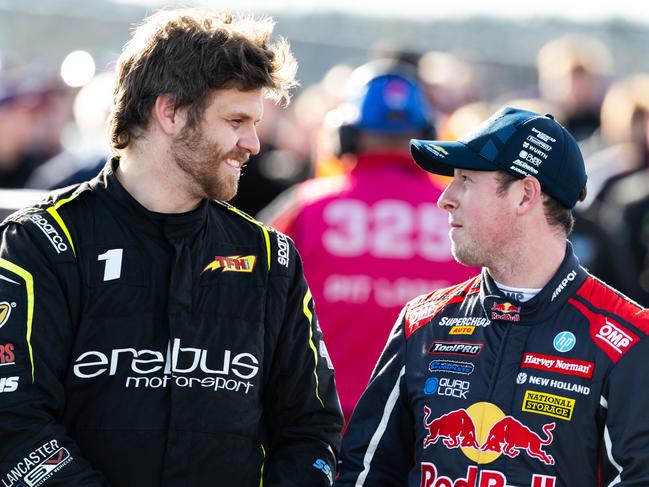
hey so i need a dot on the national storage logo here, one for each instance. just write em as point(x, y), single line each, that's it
point(548, 405)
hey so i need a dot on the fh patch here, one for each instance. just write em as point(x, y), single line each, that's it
point(232, 263)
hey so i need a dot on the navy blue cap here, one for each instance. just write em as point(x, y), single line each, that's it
point(516, 141)
point(388, 104)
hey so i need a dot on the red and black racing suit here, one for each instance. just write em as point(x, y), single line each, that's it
point(477, 389)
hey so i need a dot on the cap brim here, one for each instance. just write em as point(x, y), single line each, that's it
point(442, 157)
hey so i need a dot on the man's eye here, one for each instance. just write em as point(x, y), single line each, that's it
point(236, 122)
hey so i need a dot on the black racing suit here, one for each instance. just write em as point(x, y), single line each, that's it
point(477, 389)
point(143, 349)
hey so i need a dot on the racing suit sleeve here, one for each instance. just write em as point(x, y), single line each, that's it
point(378, 446)
point(625, 403)
point(37, 322)
point(301, 406)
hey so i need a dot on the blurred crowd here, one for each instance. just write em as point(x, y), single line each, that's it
point(53, 135)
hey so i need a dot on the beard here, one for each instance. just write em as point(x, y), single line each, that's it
point(469, 254)
point(202, 160)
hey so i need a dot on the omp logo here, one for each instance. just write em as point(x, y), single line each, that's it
point(615, 336)
point(5, 312)
point(232, 263)
point(8, 384)
point(50, 232)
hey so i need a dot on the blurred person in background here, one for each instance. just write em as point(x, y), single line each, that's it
point(621, 169)
point(449, 82)
point(33, 112)
point(623, 142)
point(87, 154)
point(373, 237)
point(573, 75)
point(152, 334)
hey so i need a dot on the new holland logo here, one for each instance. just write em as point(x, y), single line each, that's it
point(5, 312)
point(232, 263)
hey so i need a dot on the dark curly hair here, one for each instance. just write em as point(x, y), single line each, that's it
point(189, 53)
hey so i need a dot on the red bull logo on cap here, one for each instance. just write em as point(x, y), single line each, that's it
point(505, 311)
point(483, 433)
point(232, 263)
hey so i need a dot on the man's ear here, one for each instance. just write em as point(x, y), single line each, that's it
point(530, 196)
point(170, 120)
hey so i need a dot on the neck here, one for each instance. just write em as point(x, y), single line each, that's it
point(151, 177)
point(531, 264)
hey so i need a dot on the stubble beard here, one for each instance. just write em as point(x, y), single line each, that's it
point(201, 160)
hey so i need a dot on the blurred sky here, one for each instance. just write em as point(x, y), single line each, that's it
point(634, 10)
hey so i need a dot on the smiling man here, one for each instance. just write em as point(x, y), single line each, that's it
point(531, 373)
point(150, 333)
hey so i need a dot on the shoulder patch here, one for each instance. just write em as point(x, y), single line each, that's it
point(421, 310)
point(264, 229)
point(46, 224)
point(608, 314)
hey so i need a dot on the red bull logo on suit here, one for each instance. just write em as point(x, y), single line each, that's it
point(485, 439)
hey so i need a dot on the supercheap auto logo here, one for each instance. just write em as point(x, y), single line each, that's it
point(232, 263)
point(483, 433)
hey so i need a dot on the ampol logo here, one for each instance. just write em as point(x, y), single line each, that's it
point(483, 433)
point(232, 263)
point(5, 312)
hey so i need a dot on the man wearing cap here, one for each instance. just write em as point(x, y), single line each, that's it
point(370, 239)
point(531, 373)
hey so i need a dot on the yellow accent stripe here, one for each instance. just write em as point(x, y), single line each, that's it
point(29, 284)
point(261, 480)
point(309, 315)
point(259, 224)
point(53, 210)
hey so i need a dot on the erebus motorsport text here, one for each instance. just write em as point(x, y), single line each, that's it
point(177, 365)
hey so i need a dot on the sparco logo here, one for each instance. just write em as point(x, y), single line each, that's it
point(182, 366)
point(282, 251)
point(564, 282)
point(457, 348)
point(50, 232)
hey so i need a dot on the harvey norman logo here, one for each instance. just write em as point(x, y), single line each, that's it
point(550, 363)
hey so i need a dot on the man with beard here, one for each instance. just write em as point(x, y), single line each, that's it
point(531, 373)
point(150, 333)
